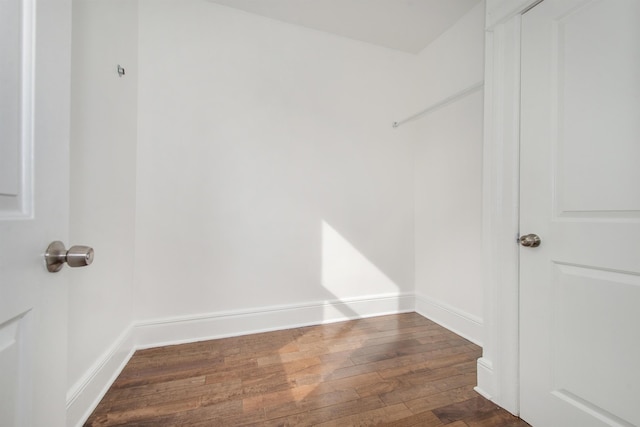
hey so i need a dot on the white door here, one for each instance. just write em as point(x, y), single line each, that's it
point(580, 192)
point(34, 150)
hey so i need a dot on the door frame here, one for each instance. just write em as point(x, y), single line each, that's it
point(498, 368)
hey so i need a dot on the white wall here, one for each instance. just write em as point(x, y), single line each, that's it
point(103, 155)
point(448, 180)
point(268, 172)
point(254, 165)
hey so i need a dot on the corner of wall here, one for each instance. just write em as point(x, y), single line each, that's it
point(448, 200)
point(462, 323)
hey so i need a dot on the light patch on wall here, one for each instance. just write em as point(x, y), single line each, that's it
point(346, 272)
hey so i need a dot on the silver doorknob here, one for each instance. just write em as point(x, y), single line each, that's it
point(77, 256)
point(530, 240)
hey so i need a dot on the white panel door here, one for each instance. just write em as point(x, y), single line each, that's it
point(580, 192)
point(34, 150)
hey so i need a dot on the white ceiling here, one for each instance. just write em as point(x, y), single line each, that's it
point(406, 25)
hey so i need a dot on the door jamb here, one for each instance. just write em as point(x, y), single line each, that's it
point(498, 368)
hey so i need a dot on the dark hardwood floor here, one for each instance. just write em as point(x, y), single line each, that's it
point(398, 370)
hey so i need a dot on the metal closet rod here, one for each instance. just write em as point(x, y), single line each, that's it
point(458, 95)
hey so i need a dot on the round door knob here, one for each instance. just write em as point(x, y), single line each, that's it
point(530, 240)
point(77, 256)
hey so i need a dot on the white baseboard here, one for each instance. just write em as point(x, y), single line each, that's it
point(177, 330)
point(464, 324)
point(486, 378)
point(84, 396)
point(489, 387)
point(86, 393)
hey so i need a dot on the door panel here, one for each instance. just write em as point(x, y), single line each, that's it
point(12, 370)
point(34, 145)
point(16, 87)
point(580, 290)
point(597, 98)
point(590, 306)
point(10, 50)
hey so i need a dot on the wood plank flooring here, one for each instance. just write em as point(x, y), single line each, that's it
point(398, 370)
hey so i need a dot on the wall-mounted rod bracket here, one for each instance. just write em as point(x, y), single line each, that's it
point(120, 70)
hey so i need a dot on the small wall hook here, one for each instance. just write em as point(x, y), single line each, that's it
point(120, 70)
